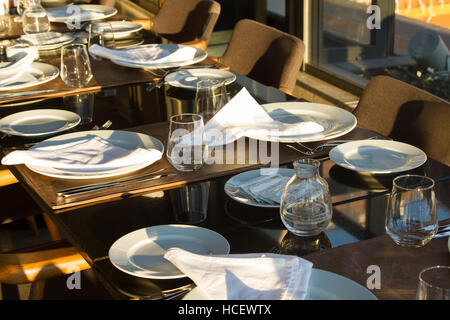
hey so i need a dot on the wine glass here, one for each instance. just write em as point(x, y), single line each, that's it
point(75, 66)
point(210, 97)
point(411, 218)
point(186, 142)
point(434, 283)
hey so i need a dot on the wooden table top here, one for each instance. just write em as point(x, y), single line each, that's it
point(44, 188)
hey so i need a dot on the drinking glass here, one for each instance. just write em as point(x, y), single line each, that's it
point(434, 283)
point(75, 66)
point(101, 33)
point(305, 207)
point(35, 18)
point(185, 146)
point(210, 97)
point(5, 23)
point(411, 218)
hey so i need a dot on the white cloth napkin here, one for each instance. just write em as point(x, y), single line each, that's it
point(90, 153)
point(243, 116)
point(74, 12)
point(245, 276)
point(264, 188)
point(46, 38)
point(145, 55)
point(18, 63)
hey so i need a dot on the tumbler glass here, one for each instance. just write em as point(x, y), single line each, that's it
point(411, 218)
point(434, 283)
point(186, 142)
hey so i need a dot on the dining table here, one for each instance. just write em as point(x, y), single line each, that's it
point(354, 240)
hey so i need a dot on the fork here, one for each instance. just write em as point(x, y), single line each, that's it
point(312, 151)
point(169, 294)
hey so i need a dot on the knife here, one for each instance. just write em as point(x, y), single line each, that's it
point(18, 94)
point(93, 188)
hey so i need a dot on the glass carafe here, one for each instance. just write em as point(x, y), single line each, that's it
point(305, 204)
point(35, 18)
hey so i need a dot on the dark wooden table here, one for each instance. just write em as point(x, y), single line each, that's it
point(353, 241)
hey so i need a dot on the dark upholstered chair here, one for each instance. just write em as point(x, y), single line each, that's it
point(264, 54)
point(186, 21)
point(408, 114)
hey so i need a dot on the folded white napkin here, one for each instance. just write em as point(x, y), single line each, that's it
point(243, 116)
point(245, 276)
point(18, 63)
point(74, 12)
point(46, 38)
point(145, 55)
point(90, 153)
point(264, 188)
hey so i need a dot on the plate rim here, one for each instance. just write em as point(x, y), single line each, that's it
point(203, 56)
point(62, 129)
point(253, 203)
point(313, 138)
point(177, 84)
point(145, 229)
point(98, 175)
point(32, 84)
point(334, 154)
point(64, 19)
point(197, 291)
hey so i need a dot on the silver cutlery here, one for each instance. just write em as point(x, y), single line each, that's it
point(105, 126)
point(169, 294)
point(18, 94)
point(312, 151)
point(77, 191)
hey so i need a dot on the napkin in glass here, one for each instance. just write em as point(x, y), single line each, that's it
point(264, 276)
point(18, 62)
point(145, 54)
point(90, 153)
point(46, 38)
point(226, 127)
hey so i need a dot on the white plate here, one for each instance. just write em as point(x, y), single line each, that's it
point(240, 178)
point(125, 139)
point(62, 39)
point(141, 253)
point(122, 29)
point(200, 55)
point(336, 121)
point(106, 12)
point(378, 156)
point(188, 78)
point(323, 285)
point(39, 123)
point(37, 73)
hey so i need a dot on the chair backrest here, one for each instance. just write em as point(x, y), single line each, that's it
point(406, 113)
point(186, 20)
point(265, 54)
point(426, 125)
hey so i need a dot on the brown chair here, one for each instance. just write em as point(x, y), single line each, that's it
point(406, 113)
point(38, 263)
point(265, 54)
point(187, 21)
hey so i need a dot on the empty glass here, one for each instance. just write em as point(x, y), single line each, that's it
point(35, 18)
point(75, 66)
point(185, 145)
point(411, 218)
point(305, 206)
point(210, 97)
point(101, 33)
point(190, 202)
point(5, 23)
point(434, 283)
